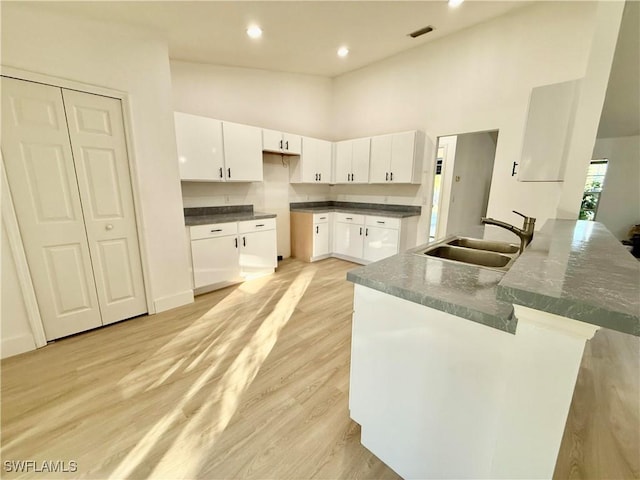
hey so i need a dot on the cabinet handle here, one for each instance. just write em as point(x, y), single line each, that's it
point(348, 177)
point(236, 239)
point(229, 172)
point(287, 145)
point(323, 218)
point(391, 176)
point(216, 230)
point(317, 229)
point(353, 177)
point(259, 225)
point(244, 241)
point(360, 231)
point(380, 222)
point(319, 176)
point(348, 218)
point(386, 176)
point(513, 169)
point(280, 144)
point(366, 232)
point(221, 174)
point(316, 177)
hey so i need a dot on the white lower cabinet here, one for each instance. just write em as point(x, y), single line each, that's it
point(227, 253)
point(258, 253)
point(370, 238)
point(321, 239)
point(348, 235)
point(379, 243)
point(215, 260)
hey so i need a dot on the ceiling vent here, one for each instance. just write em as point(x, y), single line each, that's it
point(422, 31)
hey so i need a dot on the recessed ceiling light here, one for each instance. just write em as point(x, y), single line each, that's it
point(343, 51)
point(455, 3)
point(254, 31)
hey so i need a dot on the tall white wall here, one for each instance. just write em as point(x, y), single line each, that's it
point(619, 206)
point(479, 79)
point(287, 102)
point(130, 60)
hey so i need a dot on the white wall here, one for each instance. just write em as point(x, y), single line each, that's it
point(287, 102)
point(130, 60)
point(479, 79)
point(619, 206)
point(473, 166)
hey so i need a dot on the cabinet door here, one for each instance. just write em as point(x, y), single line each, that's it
point(380, 158)
point(215, 260)
point(360, 160)
point(547, 132)
point(323, 161)
point(242, 152)
point(344, 154)
point(380, 243)
point(258, 252)
point(291, 143)
point(271, 140)
point(309, 160)
point(402, 157)
point(320, 239)
point(348, 239)
point(199, 142)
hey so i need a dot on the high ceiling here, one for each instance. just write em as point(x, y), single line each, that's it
point(299, 36)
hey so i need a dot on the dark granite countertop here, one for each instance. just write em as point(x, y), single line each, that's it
point(231, 213)
point(575, 269)
point(379, 209)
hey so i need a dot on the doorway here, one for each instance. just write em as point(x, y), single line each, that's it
point(462, 181)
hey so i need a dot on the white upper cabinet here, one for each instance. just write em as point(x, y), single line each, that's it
point(279, 142)
point(314, 165)
point(547, 133)
point(200, 148)
point(352, 161)
point(210, 150)
point(397, 157)
point(242, 152)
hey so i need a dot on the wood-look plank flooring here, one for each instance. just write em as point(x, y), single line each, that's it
point(252, 382)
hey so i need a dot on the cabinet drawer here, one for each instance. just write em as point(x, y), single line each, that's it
point(257, 225)
point(213, 230)
point(385, 222)
point(320, 217)
point(349, 218)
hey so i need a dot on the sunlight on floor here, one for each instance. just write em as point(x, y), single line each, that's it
point(189, 449)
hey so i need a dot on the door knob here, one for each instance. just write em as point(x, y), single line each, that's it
point(108, 227)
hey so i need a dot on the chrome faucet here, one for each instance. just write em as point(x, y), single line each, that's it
point(525, 233)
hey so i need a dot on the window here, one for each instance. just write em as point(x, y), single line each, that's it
point(592, 189)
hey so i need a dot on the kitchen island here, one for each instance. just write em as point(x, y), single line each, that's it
point(466, 372)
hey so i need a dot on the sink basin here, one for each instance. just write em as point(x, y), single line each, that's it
point(473, 256)
point(490, 245)
point(473, 251)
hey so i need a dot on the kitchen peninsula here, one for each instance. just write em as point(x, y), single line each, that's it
point(460, 371)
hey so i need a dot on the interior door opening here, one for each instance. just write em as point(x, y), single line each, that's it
point(461, 181)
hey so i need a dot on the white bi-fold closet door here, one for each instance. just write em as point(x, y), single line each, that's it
point(66, 161)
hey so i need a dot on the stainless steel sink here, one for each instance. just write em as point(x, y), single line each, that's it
point(472, 251)
point(490, 245)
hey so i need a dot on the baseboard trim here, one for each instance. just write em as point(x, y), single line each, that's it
point(173, 301)
point(16, 345)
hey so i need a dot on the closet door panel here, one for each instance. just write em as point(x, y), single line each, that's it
point(42, 179)
point(97, 138)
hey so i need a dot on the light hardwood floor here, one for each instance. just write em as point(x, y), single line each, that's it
point(252, 382)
